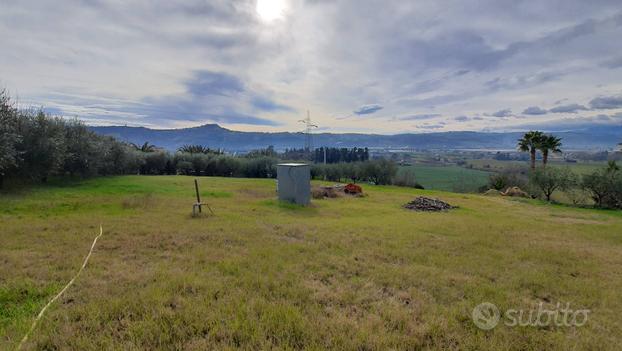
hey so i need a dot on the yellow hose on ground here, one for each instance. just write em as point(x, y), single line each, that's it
point(34, 323)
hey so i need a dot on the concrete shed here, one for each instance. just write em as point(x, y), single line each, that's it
point(294, 182)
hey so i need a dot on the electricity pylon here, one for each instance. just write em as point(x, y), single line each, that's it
point(308, 128)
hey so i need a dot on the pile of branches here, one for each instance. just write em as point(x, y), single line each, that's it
point(423, 203)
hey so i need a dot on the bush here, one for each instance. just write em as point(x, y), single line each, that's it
point(516, 177)
point(578, 196)
point(406, 177)
point(547, 180)
point(185, 167)
point(260, 167)
point(605, 186)
point(379, 172)
point(154, 163)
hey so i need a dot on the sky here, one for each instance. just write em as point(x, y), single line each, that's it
point(365, 66)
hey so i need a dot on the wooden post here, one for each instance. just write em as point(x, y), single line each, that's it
point(196, 188)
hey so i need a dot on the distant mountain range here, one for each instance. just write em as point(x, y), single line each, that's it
point(214, 136)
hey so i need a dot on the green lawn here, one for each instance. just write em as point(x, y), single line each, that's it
point(448, 178)
point(345, 273)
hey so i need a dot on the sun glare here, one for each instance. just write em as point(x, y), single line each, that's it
point(270, 10)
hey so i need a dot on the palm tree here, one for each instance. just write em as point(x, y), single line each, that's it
point(146, 147)
point(530, 142)
point(549, 143)
point(198, 149)
point(612, 167)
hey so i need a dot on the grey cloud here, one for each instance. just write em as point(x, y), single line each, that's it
point(465, 49)
point(419, 117)
point(523, 81)
point(461, 118)
point(534, 110)
point(265, 104)
point(613, 63)
point(502, 113)
point(602, 121)
point(153, 110)
point(368, 109)
point(601, 117)
point(240, 68)
point(570, 108)
point(606, 102)
point(434, 101)
point(214, 83)
point(430, 126)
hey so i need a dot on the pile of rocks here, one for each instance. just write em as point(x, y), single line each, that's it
point(423, 203)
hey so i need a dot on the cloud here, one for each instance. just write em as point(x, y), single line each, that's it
point(431, 126)
point(217, 61)
point(523, 81)
point(603, 122)
point(502, 113)
point(570, 108)
point(206, 83)
point(419, 117)
point(534, 110)
point(613, 63)
point(461, 118)
point(265, 104)
point(368, 109)
point(606, 102)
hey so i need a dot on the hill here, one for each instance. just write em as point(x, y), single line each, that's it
point(215, 136)
point(345, 273)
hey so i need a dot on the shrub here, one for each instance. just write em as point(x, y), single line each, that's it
point(155, 163)
point(548, 180)
point(380, 172)
point(406, 177)
point(185, 167)
point(605, 186)
point(507, 179)
point(260, 167)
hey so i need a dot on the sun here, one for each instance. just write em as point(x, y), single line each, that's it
point(270, 10)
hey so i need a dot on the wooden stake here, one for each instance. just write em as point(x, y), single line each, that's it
point(196, 188)
point(199, 204)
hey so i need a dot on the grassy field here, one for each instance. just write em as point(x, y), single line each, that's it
point(448, 178)
point(579, 168)
point(345, 273)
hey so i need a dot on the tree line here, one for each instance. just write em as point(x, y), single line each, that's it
point(333, 154)
point(339, 155)
point(35, 146)
point(377, 171)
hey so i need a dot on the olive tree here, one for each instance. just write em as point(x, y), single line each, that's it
point(548, 180)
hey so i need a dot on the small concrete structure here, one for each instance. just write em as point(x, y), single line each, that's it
point(294, 182)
